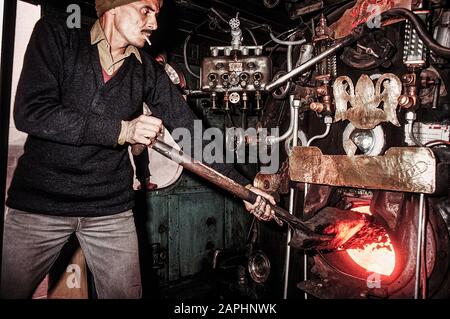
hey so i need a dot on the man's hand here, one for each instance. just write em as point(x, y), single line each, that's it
point(144, 130)
point(261, 209)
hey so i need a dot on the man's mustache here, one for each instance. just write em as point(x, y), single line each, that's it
point(147, 31)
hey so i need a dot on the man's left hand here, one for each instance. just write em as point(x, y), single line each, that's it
point(261, 208)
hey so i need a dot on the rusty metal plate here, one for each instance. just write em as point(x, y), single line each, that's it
point(405, 169)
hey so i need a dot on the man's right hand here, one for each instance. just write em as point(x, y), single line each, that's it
point(143, 130)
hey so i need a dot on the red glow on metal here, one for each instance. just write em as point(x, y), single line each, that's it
point(377, 257)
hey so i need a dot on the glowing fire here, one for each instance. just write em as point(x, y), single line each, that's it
point(378, 257)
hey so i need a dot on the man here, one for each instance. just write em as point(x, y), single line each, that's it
point(80, 100)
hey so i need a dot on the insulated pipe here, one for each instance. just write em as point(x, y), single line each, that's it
point(419, 246)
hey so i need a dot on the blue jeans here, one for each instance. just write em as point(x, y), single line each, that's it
point(32, 243)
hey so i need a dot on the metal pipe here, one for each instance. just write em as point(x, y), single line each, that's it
point(276, 40)
point(185, 59)
point(437, 90)
point(305, 271)
point(195, 93)
point(424, 256)
point(410, 118)
point(294, 122)
point(328, 121)
point(309, 64)
point(419, 244)
point(270, 140)
point(219, 15)
point(291, 211)
point(291, 33)
point(288, 248)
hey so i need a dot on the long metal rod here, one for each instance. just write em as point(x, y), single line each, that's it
point(305, 256)
point(291, 203)
point(423, 271)
point(294, 122)
point(291, 211)
point(328, 122)
point(419, 246)
point(309, 64)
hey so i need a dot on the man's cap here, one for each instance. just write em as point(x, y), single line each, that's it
point(101, 6)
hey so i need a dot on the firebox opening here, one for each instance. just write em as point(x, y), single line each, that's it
point(377, 256)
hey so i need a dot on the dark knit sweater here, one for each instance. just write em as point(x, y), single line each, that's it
point(72, 164)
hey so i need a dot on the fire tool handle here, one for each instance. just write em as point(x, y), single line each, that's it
point(224, 182)
point(137, 149)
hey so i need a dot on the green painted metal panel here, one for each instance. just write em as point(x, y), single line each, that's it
point(190, 220)
point(201, 229)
